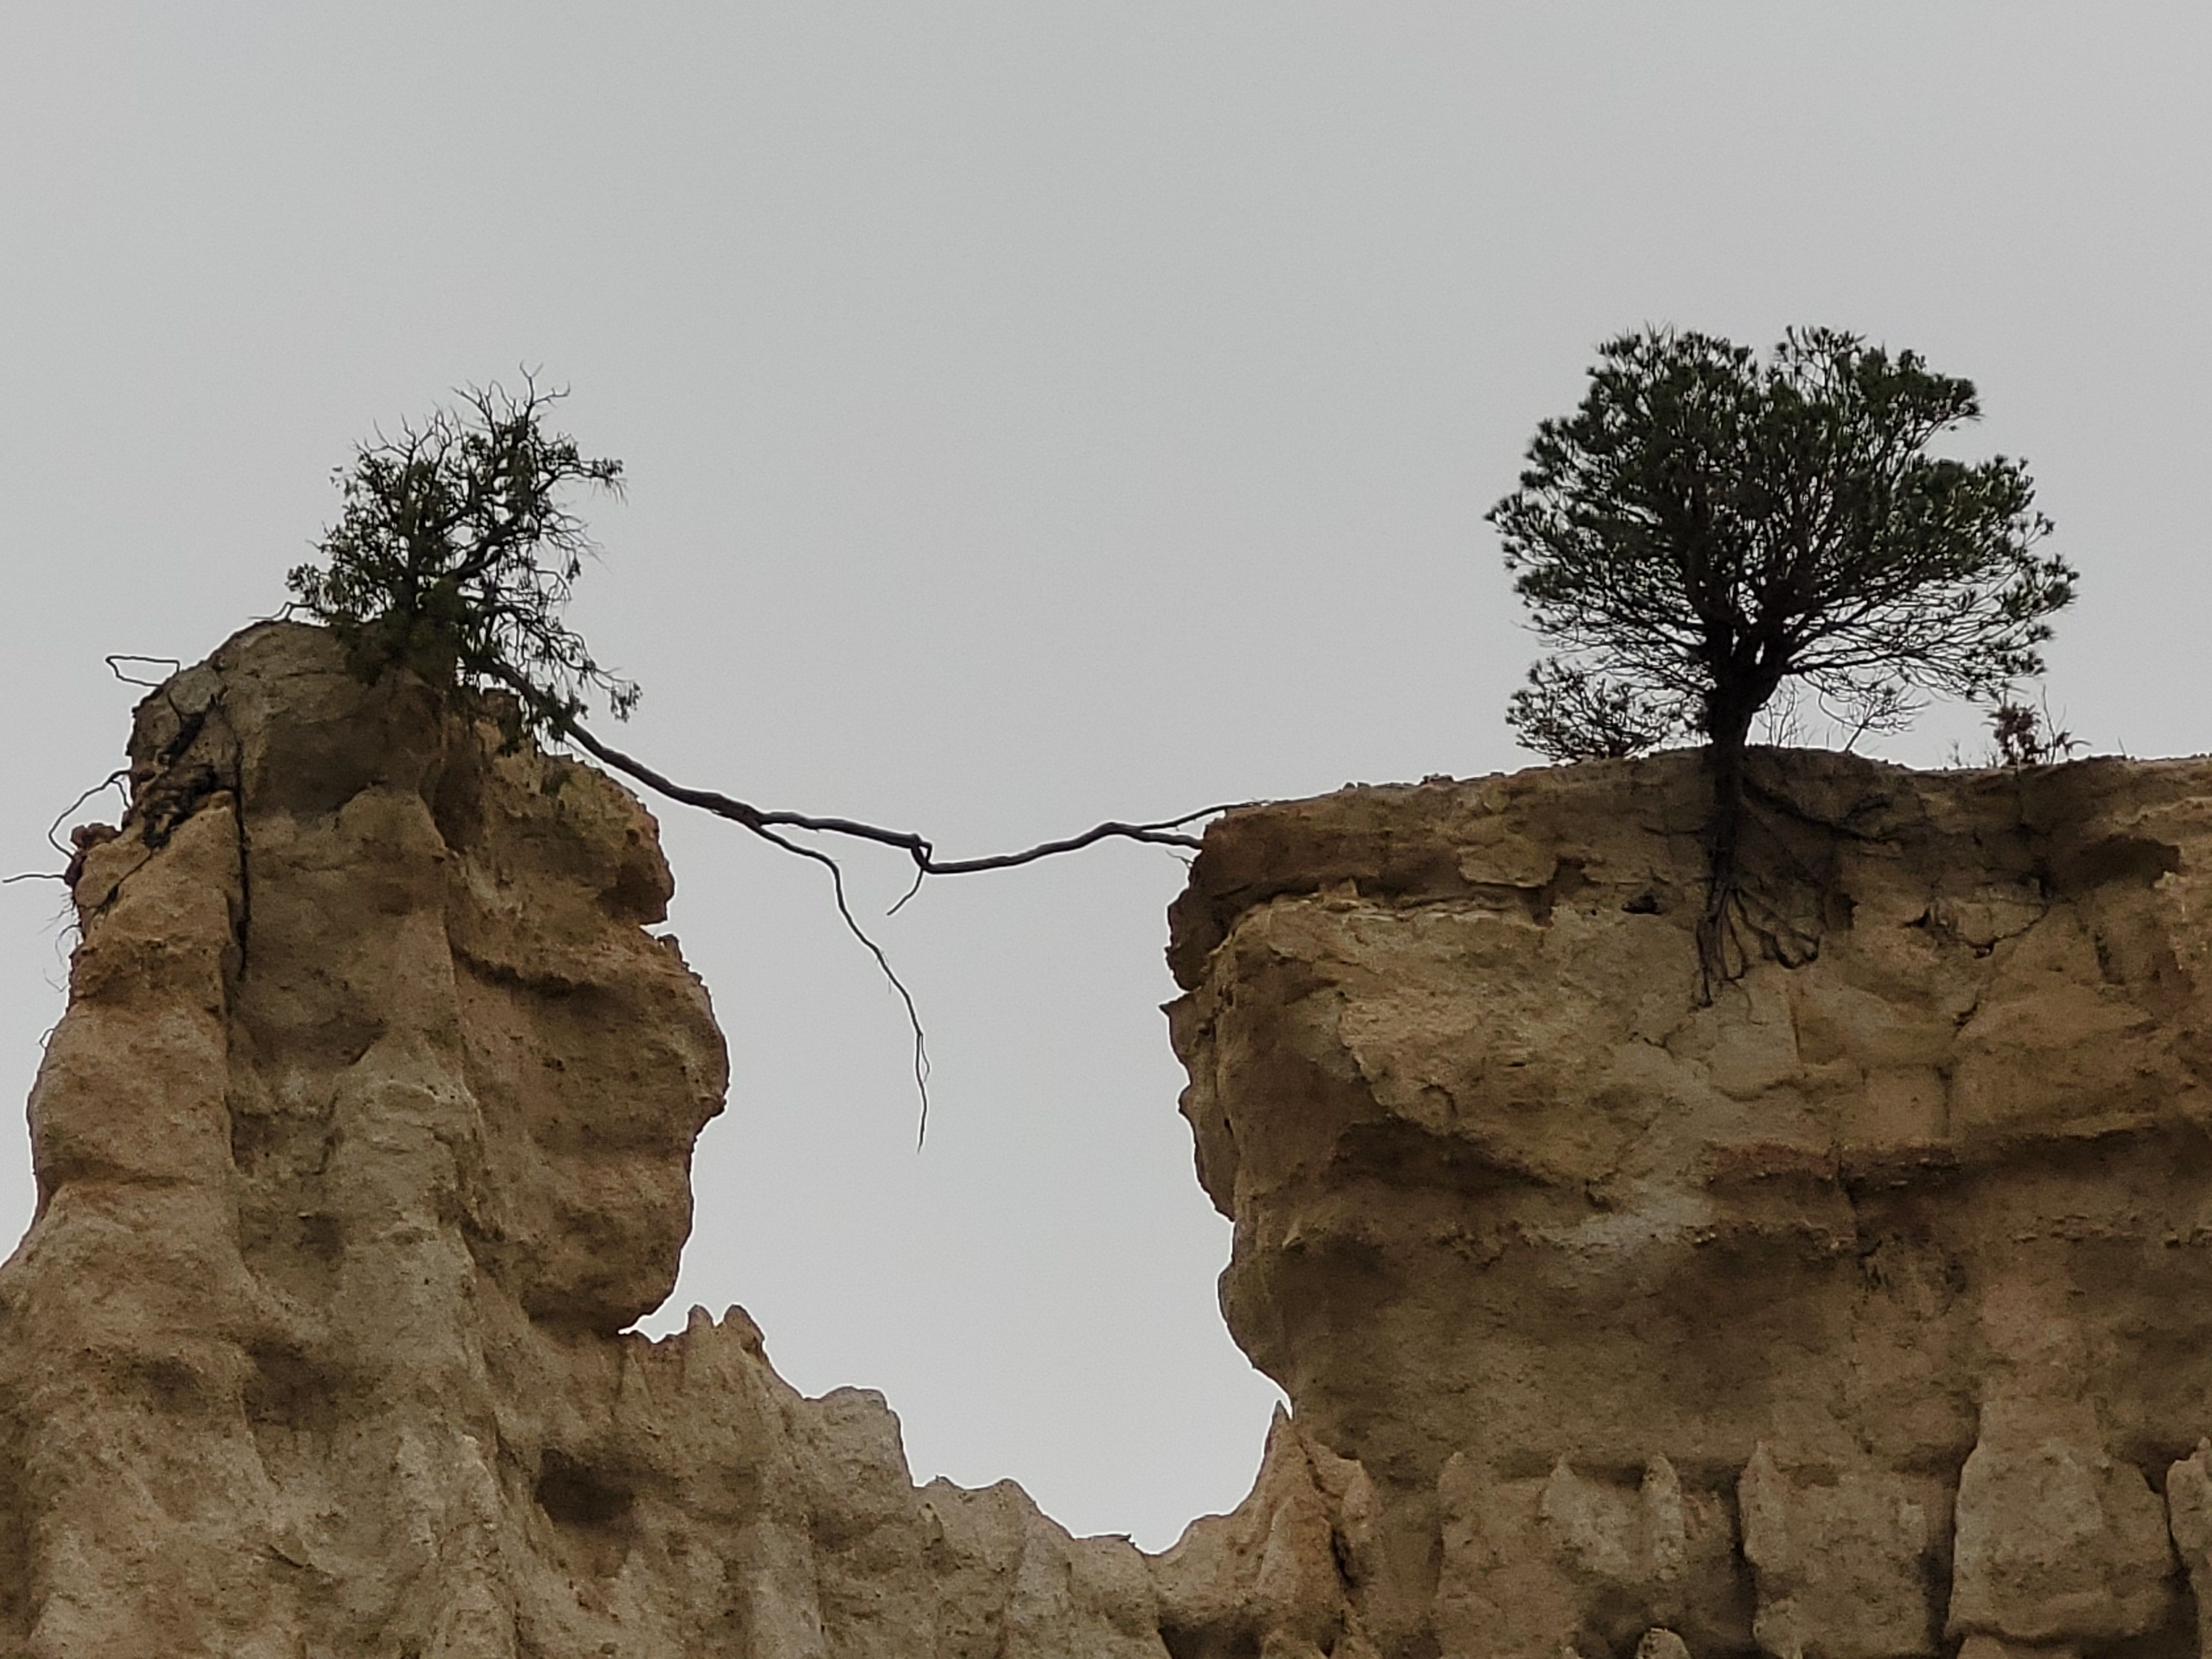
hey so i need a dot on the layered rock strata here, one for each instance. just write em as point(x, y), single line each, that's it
point(1859, 1311)
point(1864, 1311)
point(367, 1134)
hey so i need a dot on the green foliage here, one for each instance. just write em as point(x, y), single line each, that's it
point(455, 551)
point(1706, 527)
point(1570, 713)
point(2021, 736)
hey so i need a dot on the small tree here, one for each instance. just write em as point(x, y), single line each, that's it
point(456, 550)
point(1706, 527)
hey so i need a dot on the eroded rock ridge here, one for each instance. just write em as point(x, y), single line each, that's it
point(1862, 1313)
point(367, 1131)
point(1865, 1312)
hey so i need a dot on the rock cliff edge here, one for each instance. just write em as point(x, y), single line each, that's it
point(367, 1131)
point(1865, 1312)
point(1862, 1313)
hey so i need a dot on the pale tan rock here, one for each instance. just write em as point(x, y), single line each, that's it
point(2188, 1520)
point(2055, 1541)
point(1496, 1595)
point(1981, 1646)
point(1530, 1565)
point(365, 1133)
point(1513, 1213)
point(1613, 1322)
point(1843, 1560)
point(1271, 1576)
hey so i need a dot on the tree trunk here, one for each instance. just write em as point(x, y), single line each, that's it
point(1729, 731)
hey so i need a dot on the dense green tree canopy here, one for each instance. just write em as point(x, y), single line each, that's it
point(1707, 528)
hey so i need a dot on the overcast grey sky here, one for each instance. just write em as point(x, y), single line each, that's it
point(1035, 412)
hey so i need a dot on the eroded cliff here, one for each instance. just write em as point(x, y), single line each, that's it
point(1860, 1313)
point(1865, 1312)
point(366, 1132)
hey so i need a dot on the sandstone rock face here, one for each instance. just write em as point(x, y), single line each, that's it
point(1866, 1311)
point(1862, 1312)
point(366, 1132)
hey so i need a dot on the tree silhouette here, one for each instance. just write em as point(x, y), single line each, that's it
point(456, 551)
point(1707, 528)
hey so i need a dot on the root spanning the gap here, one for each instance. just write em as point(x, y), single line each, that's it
point(772, 826)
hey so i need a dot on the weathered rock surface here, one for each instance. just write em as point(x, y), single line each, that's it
point(1864, 1312)
point(367, 1131)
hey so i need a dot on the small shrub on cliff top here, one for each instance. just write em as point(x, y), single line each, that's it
point(2021, 736)
point(1706, 528)
point(455, 551)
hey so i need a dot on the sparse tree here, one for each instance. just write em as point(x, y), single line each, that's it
point(1707, 527)
point(456, 551)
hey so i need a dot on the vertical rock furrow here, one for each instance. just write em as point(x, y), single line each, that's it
point(366, 1134)
point(1865, 1313)
point(1860, 1314)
